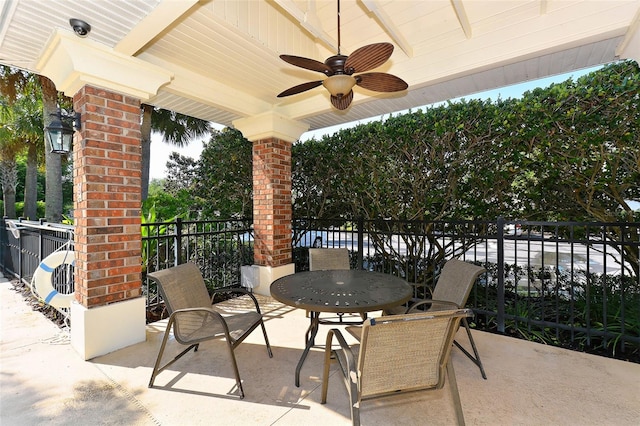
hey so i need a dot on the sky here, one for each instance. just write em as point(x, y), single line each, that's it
point(160, 150)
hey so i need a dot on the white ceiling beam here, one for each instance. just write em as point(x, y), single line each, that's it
point(631, 38)
point(309, 22)
point(153, 24)
point(7, 9)
point(208, 91)
point(389, 26)
point(462, 17)
point(72, 62)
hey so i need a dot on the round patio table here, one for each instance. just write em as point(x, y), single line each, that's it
point(338, 291)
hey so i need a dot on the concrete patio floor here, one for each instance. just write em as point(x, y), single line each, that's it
point(43, 380)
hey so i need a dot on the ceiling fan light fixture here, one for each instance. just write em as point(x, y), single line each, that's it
point(339, 85)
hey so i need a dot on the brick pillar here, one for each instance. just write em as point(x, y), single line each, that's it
point(107, 198)
point(110, 313)
point(272, 202)
point(272, 135)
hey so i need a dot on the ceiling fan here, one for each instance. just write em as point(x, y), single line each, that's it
point(340, 70)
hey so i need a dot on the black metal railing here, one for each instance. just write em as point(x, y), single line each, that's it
point(24, 244)
point(565, 283)
point(219, 247)
point(569, 284)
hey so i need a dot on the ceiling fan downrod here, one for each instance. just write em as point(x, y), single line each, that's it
point(338, 27)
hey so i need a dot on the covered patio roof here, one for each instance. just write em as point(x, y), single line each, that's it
point(222, 56)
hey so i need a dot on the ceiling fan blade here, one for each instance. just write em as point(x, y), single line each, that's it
point(310, 64)
point(368, 57)
point(300, 88)
point(381, 82)
point(342, 102)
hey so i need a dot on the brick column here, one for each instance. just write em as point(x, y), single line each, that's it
point(272, 136)
point(107, 198)
point(272, 202)
point(107, 151)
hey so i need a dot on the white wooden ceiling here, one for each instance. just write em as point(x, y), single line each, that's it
point(223, 54)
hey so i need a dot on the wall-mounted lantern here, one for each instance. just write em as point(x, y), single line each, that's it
point(59, 133)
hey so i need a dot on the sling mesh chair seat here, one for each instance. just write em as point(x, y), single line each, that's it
point(454, 285)
point(398, 353)
point(193, 320)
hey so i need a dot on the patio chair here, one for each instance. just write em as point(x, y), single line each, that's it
point(454, 285)
point(193, 320)
point(399, 353)
point(324, 259)
point(327, 259)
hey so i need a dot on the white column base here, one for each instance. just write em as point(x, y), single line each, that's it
point(265, 275)
point(98, 331)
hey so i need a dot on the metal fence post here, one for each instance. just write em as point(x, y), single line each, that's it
point(4, 238)
point(178, 242)
point(360, 243)
point(500, 287)
point(40, 241)
point(20, 253)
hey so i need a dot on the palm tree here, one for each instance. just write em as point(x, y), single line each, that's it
point(53, 161)
point(9, 148)
point(8, 180)
point(177, 129)
point(28, 130)
point(17, 85)
point(21, 127)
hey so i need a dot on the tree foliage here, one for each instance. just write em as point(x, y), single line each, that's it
point(181, 173)
point(225, 171)
point(175, 196)
point(570, 152)
point(219, 184)
point(175, 128)
point(566, 152)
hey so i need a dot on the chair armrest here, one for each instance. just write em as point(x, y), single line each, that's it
point(343, 355)
point(205, 311)
point(355, 331)
point(339, 337)
point(239, 291)
point(345, 349)
point(205, 316)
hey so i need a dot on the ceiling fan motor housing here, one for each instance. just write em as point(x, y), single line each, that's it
point(336, 63)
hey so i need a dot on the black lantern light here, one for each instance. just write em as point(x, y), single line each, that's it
point(59, 133)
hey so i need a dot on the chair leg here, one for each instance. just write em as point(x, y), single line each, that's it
point(156, 366)
point(355, 404)
point(266, 339)
point(235, 369)
point(476, 359)
point(453, 386)
point(157, 369)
